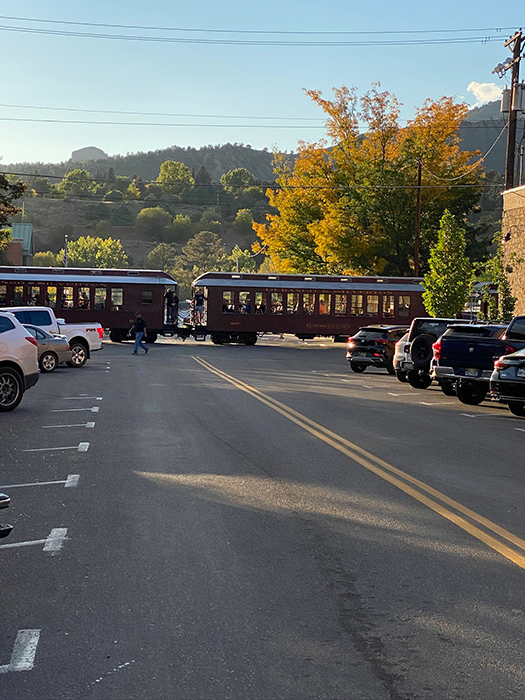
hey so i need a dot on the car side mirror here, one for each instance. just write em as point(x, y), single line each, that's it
point(61, 321)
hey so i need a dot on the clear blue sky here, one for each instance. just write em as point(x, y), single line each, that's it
point(215, 82)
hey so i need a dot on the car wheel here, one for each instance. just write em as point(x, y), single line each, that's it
point(419, 381)
point(402, 376)
point(470, 395)
point(517, 408)
point(48, 362)
point(79, 355)
point(448, 388)
point(11, 389)
point(357, 367)
point(390, 366)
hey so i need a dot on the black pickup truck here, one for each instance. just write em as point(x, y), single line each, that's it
point(464, 356)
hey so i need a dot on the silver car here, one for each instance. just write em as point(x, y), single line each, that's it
point(52, 349)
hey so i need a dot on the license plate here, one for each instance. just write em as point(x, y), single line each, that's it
point(471, 373)
point(362, 354)
point(520, 372)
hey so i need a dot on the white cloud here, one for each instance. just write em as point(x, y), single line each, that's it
point(484, 92)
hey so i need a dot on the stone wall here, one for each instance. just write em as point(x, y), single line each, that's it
point(513, 232)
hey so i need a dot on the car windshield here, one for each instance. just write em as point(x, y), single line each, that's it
point(480, 331)
point(436, 328)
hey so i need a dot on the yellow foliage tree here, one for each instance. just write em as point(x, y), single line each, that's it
point(347, 204)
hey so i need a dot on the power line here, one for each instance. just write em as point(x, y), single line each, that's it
point(252, 42)
point(157, 114)
point(255, 31)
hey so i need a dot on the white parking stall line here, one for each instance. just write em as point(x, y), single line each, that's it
point(89, 424)
point(76, 398)
point(24, 651)
point(81, 447)
point(94, 409)
point(468, 415)
point(56, 539)
point(52, 544)
point(72, 480)
point(522, 430)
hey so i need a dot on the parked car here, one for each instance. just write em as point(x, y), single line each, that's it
point(84, 338)
point(423, 334)
point(401, 355)
point(52, 349)
point(18, 362)
point(507, 382)
point(373, 346)
point(5, 529)
point(464, 359)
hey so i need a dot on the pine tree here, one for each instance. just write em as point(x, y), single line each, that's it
point(447, 284)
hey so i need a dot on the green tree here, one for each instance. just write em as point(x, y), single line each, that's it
point(77, 182)
point(102, 228)
point(242, 224)
point(205, 251)
point(180, 229)
point(122, 216)
point(152, 223)
point(95, 252)
point(58, 234)
point(448, 281)
point(236, 180)
point(113, 196)
point(496, 271)
point(161, 258)
point(9, 192)
point(174, 177)
point(203, 177)
point(46, 259)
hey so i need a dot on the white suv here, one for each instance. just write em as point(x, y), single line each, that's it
point(18, 361)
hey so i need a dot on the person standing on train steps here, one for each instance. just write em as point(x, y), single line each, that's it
point(139, 326)
point(168, 298)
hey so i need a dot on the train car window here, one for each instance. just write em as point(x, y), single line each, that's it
point(276, 304)
point(308, 303)
point(117, 298)
point(324, 303)
point(227, 302)
point(51, 297)
point(3, 294)
point(244, 303)
point(147, 296)
point(84, 294)
point(403, 306)
point(388, 305)
point(34, 295)
point(372, 305)
point(66, 298)
point(340, 304)
point(260, 302)
point(356, 305)
point(292, 303)
point(100, 298)
point(18, 296)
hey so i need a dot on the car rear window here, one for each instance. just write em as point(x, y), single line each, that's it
point(37, 318)
point(487, 332)
point(436, 328)
point(6, 324)
point(370, 335)
point(517, 329)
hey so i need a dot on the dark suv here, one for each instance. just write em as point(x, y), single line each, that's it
point(373, 346)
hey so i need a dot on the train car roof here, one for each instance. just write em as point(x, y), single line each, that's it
point(326, 282)
point(84, 274)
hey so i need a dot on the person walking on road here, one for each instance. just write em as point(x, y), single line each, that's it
point(139, 326)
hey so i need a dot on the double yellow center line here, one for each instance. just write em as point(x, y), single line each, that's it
point(496, 537)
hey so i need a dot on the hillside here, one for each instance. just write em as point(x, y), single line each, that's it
point(217, 160)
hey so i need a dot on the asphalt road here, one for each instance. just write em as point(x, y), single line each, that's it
point(258, 523)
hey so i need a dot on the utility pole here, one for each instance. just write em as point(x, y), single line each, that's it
point(65, 250)
point(418, 218)
point(513, 114)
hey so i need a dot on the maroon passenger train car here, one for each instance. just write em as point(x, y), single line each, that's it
point(108, 296)
point(237, 306)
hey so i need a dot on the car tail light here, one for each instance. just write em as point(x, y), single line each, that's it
point(32, 340)
point(407, 349)
point(350, 344)
point(501, 363)
point(509, 349)
point(100, 332)
point(436, 347)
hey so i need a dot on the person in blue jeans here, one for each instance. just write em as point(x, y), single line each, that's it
point(139, 326)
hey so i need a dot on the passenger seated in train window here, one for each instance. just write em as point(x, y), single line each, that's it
point(246, 309)
point(261, 309)
point(83, 300)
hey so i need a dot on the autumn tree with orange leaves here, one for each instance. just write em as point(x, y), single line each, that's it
point(346, 204)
